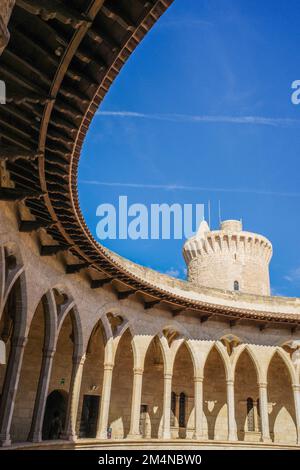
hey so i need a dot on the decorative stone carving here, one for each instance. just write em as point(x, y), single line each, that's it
point(5, 12)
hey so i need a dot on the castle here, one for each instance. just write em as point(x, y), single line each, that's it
point(97, 351)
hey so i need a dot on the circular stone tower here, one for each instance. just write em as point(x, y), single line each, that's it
point(229, 259)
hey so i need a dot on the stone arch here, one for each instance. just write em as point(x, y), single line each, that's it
point(153, 390)
point(68, 347)
point(13, 334)
point(287, 361)
point(109, 307)
point(282, 417)
point(41, 339)
point(121, 389)
point(183, 385)
point(215, 394)
point(225, 358)
point(246, 348)
point(11, 268)
point(246, 378)
point(91, 383)
point(72, 311)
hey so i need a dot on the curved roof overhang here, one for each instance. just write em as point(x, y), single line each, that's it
point(58, 66)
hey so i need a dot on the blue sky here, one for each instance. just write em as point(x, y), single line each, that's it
point(202, 111)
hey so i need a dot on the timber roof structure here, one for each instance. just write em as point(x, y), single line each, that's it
point(60, 62)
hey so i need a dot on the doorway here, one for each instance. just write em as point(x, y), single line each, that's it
point(55, 415)
point(89, 416)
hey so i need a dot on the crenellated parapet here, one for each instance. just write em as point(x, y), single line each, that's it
point(229, 258)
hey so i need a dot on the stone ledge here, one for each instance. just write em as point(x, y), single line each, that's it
point(151, 444)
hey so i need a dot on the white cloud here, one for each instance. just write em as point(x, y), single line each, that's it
point(198, 118)
point(178, 187)
point(293, 276)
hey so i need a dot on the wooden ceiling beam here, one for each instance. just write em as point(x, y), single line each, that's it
point(113, 12)
point(11, 153)
point(97, 283)
point(76, 267)
point(33, 225)
point(148, 305)
point(122, 295)
point(49, 250)
point(53, 9)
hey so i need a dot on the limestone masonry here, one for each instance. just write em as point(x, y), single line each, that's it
point(95, 350)
point(229, 259)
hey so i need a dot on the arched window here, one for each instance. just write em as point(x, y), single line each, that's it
point(236, 285)
point(182, 403)
point(250, 415)
point(173, 408)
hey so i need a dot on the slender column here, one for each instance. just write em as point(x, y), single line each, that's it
point(296, 391)
point(232, 434)
point(198, 387)
point(35, 434)
point(166, 432)
point(75, 385)
point(134, 432)
point(10, 388)
point(105, 402)
point(263, 409)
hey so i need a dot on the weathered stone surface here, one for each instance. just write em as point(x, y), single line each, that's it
point(229, 259)
point(120, 335)
point(5, 12)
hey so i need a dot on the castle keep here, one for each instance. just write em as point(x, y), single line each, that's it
point(229, 259)
point(97, 351)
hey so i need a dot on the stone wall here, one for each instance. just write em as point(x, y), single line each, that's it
point(77, 333)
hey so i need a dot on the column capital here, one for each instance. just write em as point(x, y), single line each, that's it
point(198, 379)
point(262, 384)
point(138, 370)
point(168, 376)
point(78, 360)
point(108, 366)
point(230, 382)
point(296, 387)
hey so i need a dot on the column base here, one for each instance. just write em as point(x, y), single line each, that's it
point(197, 437)
point(5, 442)
point(102, 436)
point(166, 436)
point(266, 440)
point(232, 437)
point(134, 436)
point(35, 439)
point(69, 437)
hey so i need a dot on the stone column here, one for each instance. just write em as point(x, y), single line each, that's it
point(263, 410)
point(232, 434)
point(166, 431)
point(10, 388)
point(198, 387)
point(296, 391)
point(105, 402)
point(134, 432)
point(74, 393)
point(35, 434)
